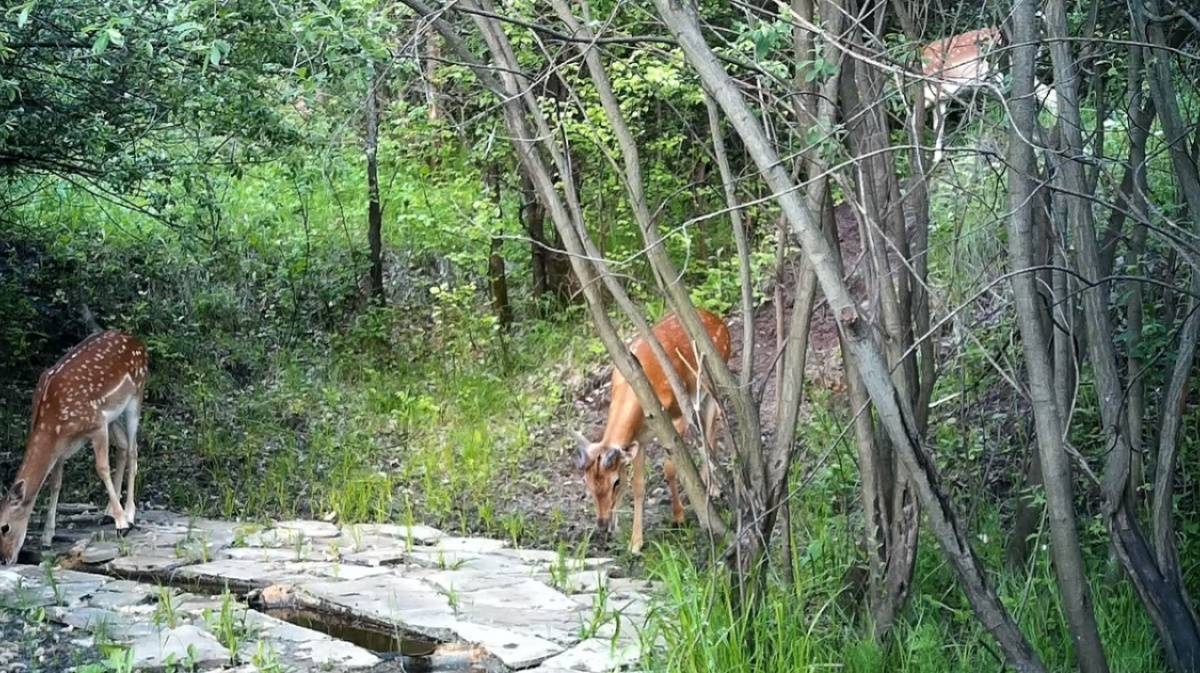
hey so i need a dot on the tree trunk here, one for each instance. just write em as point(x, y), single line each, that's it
point(433, 56)
point(374, 210)
point(1175, 616)
point(876, 196)
point(1055, 464)
point(1132, 196)
point(533, 216)
point(497, 279)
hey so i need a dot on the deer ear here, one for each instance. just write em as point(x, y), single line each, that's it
point(17, 492)
point(582, 457)
point(611, 457)
point(632, 450)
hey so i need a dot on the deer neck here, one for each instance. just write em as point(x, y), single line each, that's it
point(624, 418)
point(40, 455)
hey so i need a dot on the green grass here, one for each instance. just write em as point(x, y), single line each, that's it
point(806, 626)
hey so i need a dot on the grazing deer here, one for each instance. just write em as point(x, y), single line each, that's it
point(952, 65)
point(90, 388)
point(603, 462)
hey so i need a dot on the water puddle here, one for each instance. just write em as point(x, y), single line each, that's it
point(414, 654)
point(364, 636)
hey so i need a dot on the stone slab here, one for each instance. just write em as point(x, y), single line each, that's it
point(404, 602)
point(528, 594)
point(417, 534)
point(559, 626)
point(594, 656)
point(309, 529)
point(116, 600)
point(147, 564)
point(100, 552)
point(476, 545)
point(375, 558)
point(297, 642)
point(515, 650)
point(467, 580)
point(337, 655)
point(178, 645)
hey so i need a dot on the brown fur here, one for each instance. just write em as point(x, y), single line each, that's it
point(603, 462)
point(953, 64)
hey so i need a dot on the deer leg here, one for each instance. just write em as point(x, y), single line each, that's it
point(639, 500)
point(131, 450)
point(100, 446)
point(676, 504)
point(119, 442)
point(939, 130)
point(52, 507)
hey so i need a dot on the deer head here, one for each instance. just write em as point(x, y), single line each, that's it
point(14, 521)
point(603, 467)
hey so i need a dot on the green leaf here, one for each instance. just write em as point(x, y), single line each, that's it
point(115, 37)
point(101, 42)
point(214, 54)
point(23, 17)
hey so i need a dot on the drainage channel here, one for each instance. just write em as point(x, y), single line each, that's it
point(414, 654)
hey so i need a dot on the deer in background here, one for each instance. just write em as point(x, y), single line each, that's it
point(603, 462)
point(964, 62)
point(952, 65)
point(97, 384)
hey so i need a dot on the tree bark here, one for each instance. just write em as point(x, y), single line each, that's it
point(1132, 195)
point(497, 278)
point(876, 196)
point(374, 209)
point(1055, 464)
point(533, 216)
point(901, 427)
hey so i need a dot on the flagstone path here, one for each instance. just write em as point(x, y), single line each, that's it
point(173, 593)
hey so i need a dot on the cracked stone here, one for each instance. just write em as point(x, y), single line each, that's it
point(178, 645)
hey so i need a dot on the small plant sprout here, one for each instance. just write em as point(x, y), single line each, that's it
point(52, 581)
point(229, 625)
point(265, 660)
point(298, 545)
point(166, 613)
point(599, 617)
point(560, 570)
